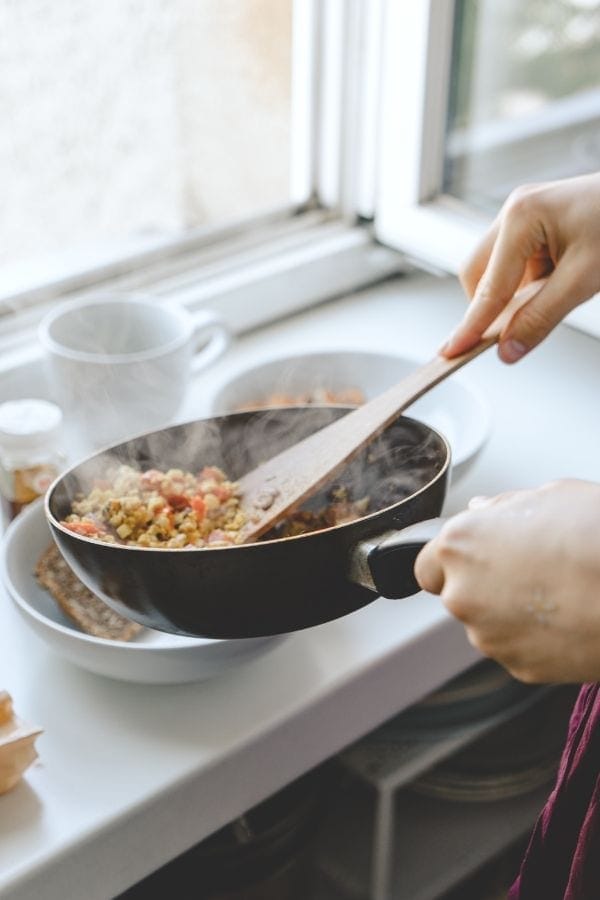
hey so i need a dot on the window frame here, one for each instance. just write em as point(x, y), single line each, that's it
point(267, 266)
point(412, 212)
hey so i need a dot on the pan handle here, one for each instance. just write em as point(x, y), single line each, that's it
point(385, 563)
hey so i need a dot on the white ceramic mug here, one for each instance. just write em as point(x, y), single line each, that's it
point(121, 364)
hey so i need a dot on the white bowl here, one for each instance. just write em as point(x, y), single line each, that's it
point(152, 657)
point(454, 407)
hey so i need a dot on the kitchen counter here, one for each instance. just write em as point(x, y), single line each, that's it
point(131, 775)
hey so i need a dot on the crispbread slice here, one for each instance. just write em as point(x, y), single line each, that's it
point(88, 612)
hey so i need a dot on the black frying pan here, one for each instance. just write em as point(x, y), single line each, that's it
point(279, 584)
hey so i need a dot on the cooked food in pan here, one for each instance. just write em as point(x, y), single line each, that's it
point(176, 509)
point(172, 509)
point(83, 608)
point(340, 510)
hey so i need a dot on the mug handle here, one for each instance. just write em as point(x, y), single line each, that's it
point(209, 324)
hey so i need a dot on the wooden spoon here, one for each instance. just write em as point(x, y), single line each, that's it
point(279, 485)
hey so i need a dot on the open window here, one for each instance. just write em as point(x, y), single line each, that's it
point(478, 97)
point(257, 157)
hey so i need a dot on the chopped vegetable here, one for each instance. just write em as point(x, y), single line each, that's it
point(172, 509)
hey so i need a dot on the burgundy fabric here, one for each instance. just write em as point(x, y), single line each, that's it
point(562, 861)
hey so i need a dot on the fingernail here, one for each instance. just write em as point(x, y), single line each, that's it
point(511, 351)
point(447, 343)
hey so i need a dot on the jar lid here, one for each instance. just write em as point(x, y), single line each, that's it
point(27, 424)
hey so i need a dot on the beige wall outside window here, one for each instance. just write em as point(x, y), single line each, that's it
point(132, 117)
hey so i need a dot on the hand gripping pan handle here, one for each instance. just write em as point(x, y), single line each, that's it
point(385, 563)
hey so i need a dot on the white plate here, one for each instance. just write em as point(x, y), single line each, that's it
point(153, 657)
point(454, 407)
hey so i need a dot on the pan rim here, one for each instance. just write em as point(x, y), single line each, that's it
point(56, 524)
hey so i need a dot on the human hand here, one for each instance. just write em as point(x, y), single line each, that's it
point(550, 229)
point(522, 572)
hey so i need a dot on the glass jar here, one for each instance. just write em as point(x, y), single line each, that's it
point(30, 452)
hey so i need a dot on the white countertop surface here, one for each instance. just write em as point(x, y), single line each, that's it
point(131, 775)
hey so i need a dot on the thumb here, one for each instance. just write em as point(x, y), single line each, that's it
point(564, 289)
point(428, 570)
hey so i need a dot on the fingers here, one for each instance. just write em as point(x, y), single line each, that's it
point(515, 243)
point(436, 561)
point(428, 571)
point(541, 231)
point(539, 266)
point(565, 289)
point(472, 272)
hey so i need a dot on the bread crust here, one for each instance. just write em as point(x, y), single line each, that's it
point(86, 610)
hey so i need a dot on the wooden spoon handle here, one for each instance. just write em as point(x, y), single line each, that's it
point(380, 411)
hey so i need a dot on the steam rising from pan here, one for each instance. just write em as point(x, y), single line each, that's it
point(393, 467)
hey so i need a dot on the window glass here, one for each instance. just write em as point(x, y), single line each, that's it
point(525, 96)
point(126, 118)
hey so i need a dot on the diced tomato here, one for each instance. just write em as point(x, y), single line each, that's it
point(177, 501)
point(151, 480)
point(199, 507)
point(211, 473)
point(88, 529)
